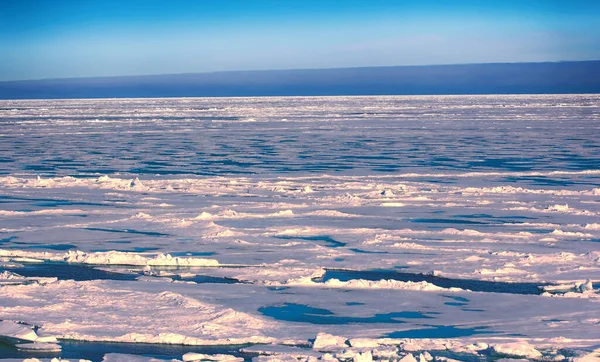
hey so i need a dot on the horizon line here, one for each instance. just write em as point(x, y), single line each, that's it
point(295, 69)
point(294, 96)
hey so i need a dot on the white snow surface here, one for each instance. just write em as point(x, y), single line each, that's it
point(497, 189)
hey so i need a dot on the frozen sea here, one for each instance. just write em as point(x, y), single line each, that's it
point(301, 228)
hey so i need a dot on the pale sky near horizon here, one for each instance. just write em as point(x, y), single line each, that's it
point(83, 38)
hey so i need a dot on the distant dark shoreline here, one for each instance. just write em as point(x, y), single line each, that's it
point(490, 78)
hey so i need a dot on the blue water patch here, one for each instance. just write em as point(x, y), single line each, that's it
point(8, 239)
point(55, 203)
point(127, 231)
point(59, 247)
point(40, 202)
point(470, 284)
point(39, 168)
point(64, 271)
point(456, 298)
point(292, 312)
point(540, 181)
point(447, 221)
point(510, 164)
point(509, 219)
point(440, 332)
point(354, 303)
point(95, 351)
point(553, 320)
point(205, 279)
point(456, 301)
point(361, 251)
point(82, 272)
point(330, 242)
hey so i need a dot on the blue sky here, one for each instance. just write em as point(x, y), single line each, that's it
point(80, 38)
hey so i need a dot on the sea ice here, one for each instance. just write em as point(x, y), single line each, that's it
point(433, 185)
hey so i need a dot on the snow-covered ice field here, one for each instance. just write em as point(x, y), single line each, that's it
point(332, 228)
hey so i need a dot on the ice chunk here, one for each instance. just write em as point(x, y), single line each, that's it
point(425, 356)
point(137, 185)
point(363, 357)
point(328, 342)
point(354, 356)
point(559, 208)
point(39, 347)
point(363, 343)
point(16, 331)
point(585, 287)
point(6, 275)
point(191, 356)
point(593, 356)
point(124, 258)
point(10, 278)
point(47, 339)
point(387, 193)
point(517, 349)
point(408, 358)
point(385, 353)
point(385, 284)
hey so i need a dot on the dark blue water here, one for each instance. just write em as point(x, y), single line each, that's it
point(440, 332)
point(8, 239)
point(361, 251)
point(447, 221)
point(456, 301)
point(82, 272)
point(44, 202)
point(58, 247)
point(354, 303)
point(205, 279)
point(470, 284)
point(127, 231)
point(64, 271)
point(327, 240)
point(95, 351)
point(292, 312)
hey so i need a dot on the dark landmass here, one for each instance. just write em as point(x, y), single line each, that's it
point(491, 78)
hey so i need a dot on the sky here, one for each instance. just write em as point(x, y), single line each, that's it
point(84, 38)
